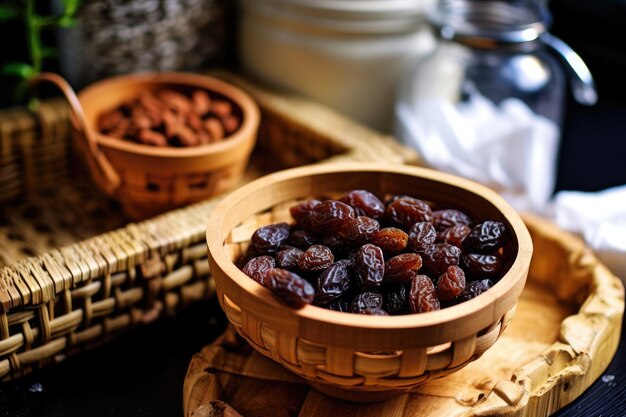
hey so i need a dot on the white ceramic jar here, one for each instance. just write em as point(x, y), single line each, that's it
point(348, 54)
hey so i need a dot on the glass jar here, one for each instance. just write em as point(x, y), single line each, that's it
point(487, 103)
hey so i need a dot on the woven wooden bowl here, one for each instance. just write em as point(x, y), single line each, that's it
point(351, 356)
point(148, 180)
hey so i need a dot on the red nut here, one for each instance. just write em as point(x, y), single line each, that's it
point(169, 117)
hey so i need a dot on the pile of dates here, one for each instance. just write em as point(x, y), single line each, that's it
point(360, 255)
point(169, 117)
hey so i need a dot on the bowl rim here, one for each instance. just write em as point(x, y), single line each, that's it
point(307, 322)
point(249, 109)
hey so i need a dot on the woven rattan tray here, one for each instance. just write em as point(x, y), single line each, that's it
point(74, 272)
point(562, 337)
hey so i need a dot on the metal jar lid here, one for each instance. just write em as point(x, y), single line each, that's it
point(488, 22)
point(514, 24)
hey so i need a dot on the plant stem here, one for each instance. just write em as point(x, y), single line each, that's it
point(33, 33)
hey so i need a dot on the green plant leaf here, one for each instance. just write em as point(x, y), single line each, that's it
point(8, 12)
point(70, 7)
point(19, 69)
point(66, 21)
point(38, 22)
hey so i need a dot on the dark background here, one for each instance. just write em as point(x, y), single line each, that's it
point(141, 373)
point(593, 146)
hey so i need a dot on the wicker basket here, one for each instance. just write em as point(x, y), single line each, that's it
point(149, 180)
point(73, 273)
point(351, 356)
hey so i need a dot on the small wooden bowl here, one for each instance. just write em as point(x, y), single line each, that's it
point(352, 356)
point(148, 180)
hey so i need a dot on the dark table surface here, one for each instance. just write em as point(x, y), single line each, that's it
point(141, 373)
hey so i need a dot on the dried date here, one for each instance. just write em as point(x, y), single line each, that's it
point(454, 235)
point(451, 283)
point(339, 248)
point(438, 257)
point(407, 212)
point(366, 300)
point(402, 268)
point(473, 290)
point(268, 238)
point(477, 265)
point(288, 259)
point(359, 230)
point(336, 245)
point(285, 246)
point(396, 300)
point(369, 264)
point(302, 212)
point(445, 219)
point(290, 287)
point(249, 254)
point(302, 239)
point(486, 237)
point(422, 236)
point(395, 197)
point(391, 240)
point(330, 215)
point(423, 295)
point(364, 203)
point(316, 258)
point(340, 304)
point(257, 268)
point(334, 282)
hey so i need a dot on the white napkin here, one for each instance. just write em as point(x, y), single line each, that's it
point(513, 150)
point(600, 218)
point(506, 146)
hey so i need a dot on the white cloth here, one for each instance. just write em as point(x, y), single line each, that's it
point(514, 150)
point(600, 218)
point(505, 146)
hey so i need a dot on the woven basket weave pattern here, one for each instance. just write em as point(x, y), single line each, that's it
point(72, 297)
point(361, 370)
point(31, 155)
point(345, 367)
point(297, 147)
point(143, 192)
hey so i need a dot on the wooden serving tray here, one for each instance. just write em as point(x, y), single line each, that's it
point(564, 334)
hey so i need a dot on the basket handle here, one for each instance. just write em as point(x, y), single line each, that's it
point(105, 174)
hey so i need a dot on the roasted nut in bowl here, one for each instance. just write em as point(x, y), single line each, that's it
point(158, 141)
point(158, 179)
point(353, 356)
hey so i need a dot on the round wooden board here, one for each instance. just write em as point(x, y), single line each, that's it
point(563, 336)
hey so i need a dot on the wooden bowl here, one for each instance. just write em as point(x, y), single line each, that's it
point(352, 356)
point(148, 180)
